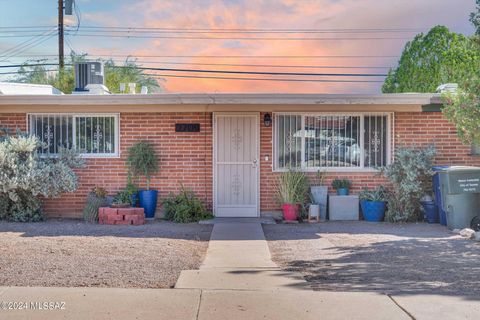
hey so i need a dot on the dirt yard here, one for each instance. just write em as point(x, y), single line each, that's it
point(383, 257)
point(73, 253)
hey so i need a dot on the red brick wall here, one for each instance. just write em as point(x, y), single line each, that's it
point(183, 157)
point(187, 157)
point(432, 128)
point(420, 129)
point(13, 121)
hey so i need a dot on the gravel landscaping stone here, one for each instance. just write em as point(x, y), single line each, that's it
point(382, 257)
point(73, 253)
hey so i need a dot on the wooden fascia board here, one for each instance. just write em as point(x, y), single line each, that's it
point(146, 108)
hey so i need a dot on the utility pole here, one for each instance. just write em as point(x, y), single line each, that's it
point(61, 55)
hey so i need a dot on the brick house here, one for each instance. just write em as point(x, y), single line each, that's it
point(238, 143)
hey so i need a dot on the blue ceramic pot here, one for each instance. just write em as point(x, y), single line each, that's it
point(342, 191)
point(373, 210)
point(148, 201)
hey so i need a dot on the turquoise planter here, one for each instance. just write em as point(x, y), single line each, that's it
point(342, 192)
point(373, 210)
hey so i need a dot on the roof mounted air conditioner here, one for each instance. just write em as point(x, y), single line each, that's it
point(88, 73)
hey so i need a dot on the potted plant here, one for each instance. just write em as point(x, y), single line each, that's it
point(142, 161)
point(122, 200)
point(373, 203)
point(132, 191)
point(319, 194)
point(292, 191)
point(96, 198)
point(342, 186)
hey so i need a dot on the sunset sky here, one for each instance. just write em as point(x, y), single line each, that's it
point(411, 16)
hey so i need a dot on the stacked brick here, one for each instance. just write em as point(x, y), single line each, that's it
point(125, 216)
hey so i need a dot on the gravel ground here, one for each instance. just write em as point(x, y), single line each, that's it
point(383, 257)
point(73, 253)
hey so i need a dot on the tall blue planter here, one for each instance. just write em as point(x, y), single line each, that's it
point(148, 201)
point(373, 210)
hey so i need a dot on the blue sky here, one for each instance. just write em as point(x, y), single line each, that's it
point(275, 14)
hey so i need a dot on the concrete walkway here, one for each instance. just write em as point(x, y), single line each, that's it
point(238, 258)
point(237, 280)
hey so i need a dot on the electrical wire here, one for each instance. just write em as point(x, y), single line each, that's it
point(26, 42)
point(233, 56)
point(250, 30)
point(26, 46)
point(270, 73)
point(237, 38)
point(262, 79)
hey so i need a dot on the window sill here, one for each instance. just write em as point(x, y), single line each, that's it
point(339, 170)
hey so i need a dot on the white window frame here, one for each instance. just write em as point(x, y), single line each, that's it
point(116, 116)
point(360, 168)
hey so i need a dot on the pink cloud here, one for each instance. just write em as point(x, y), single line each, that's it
point(281, 14)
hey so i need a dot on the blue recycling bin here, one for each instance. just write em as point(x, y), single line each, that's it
point(442, 215)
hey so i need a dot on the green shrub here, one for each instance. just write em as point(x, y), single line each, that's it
point(185, 207)
point(292, 187)
point(142, 160)
point(24, 177)
point(341, 184)
point(95, 199)
point(378, 194)
point(410, 174)
point(123, 198)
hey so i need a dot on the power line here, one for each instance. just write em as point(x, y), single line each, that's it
point(22, 47)
point(257, 65)
point(263, 79)
point(24, 27)
point(28, 65)
point(231, 78)
point(27, 41)
point(232, 56)
point(31, 71)
point(238, 38)
point(265, 72)
point(270, 73)
point(246, 65)
point(256, 30)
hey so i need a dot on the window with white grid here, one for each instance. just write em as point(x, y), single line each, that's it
point(331, 141)
point(93, 135)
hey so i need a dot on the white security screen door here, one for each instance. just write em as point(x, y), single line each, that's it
point(236, 162)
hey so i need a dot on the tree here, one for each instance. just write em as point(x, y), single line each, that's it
point(429, 60)
point(475, 18)
point(64, 80)
point(462, 108)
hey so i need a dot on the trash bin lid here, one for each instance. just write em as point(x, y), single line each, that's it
point(439, 168)
point(459, 169)
point(461, 179)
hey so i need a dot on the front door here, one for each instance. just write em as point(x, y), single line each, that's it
point(236, 161)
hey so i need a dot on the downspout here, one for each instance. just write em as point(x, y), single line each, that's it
point(392, 152)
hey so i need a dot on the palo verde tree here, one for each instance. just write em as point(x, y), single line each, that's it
point(431, 59)
point(64, 80)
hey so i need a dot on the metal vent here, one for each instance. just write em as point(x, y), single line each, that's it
point(88, 73)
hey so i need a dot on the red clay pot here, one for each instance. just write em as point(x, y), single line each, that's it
point(290, 211)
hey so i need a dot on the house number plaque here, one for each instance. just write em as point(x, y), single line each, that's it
point(187, 127)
